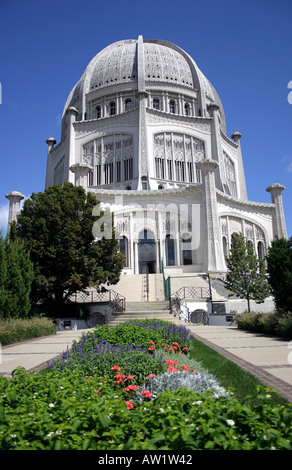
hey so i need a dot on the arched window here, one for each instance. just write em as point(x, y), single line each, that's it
point(225, 247)
point(124, 248)
point(186, 249)
point(172, 106)
point(170, 251)
point(98, 112)
point(128, 104)
point(187, 109)
point(156, 104)
point(112, 108)
point(144, 182)
point(160, 186)
point(261, 250)
point(128, 188)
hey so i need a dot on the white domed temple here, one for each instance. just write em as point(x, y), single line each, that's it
point(144, 130)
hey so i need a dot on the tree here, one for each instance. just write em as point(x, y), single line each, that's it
point(16, 276)
point(279, 267)
point(56, 227)
point(246, 275)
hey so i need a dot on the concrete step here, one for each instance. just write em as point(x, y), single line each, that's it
point(146, 306)
point(143, 316)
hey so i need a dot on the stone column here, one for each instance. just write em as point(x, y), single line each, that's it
point(72, 113)
point(81, 171)
point(213, 247)
point(49, 174)
point(136, 257)
point(279, 224)
point(142, 96)
point(241, 190)
point(14, 205)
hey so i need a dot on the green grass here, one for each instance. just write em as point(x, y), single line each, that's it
point(229, 374)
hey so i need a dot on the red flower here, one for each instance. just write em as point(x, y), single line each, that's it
point(130, 405)
point(115, 368)
point(119, 378)
point(96, 391)
point(130, 377)
point(150, 375)
point(131, 388)
point(185, 349)
point(146, 394)
point(151, 342)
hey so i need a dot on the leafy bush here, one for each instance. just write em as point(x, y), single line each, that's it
point(284, 327)
point(65, 411)
point(93, 356)
point(266, 323)
point(248, 321)
point(196, 381)
point(65, 407)
point(140, 332)
point(12, 330)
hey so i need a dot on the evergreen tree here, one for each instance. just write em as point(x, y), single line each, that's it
point(16, 275)
point(279, 267)
point(246, 275)
point(56, 227)
point(3, 276)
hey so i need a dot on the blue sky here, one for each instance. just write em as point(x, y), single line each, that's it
point(243, 47)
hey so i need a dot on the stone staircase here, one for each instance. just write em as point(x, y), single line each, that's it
point(140, 305)
point(145, 310)
point(132, 287)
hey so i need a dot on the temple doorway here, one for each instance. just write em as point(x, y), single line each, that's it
point(147, 252)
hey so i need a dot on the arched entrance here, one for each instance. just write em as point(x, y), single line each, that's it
point(147, 252)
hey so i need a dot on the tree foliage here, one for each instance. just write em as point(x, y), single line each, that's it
point(246, 275)
point(56, 227)
point(16, 276)
point(279, 267)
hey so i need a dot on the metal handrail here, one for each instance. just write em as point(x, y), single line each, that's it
point(146, 285)
point(186, 292)
point(107, 295)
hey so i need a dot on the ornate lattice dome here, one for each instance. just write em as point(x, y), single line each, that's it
point(163, 62)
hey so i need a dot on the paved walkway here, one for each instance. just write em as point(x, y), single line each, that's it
point(35, 353)
point(263, 356)
point(266, 357)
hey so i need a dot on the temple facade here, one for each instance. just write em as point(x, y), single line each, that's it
point(145, 131)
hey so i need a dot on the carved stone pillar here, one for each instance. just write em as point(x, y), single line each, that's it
point(81, 171)
point(72, 114)
point(279, 224)
point(14, 205)
point(213, 246)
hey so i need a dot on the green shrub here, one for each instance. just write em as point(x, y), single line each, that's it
point(266, 323)
point(56, 411)
point(248, 321)
point(67, 409)
point(13, 330)
point(284, 327)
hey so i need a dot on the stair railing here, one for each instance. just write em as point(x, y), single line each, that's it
point(115, 300)
point(166, 283)
point(146, 285)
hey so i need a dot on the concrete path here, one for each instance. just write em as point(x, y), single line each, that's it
point(268, 358)
point(35, 353)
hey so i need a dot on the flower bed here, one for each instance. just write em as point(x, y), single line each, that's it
point(97, 398)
